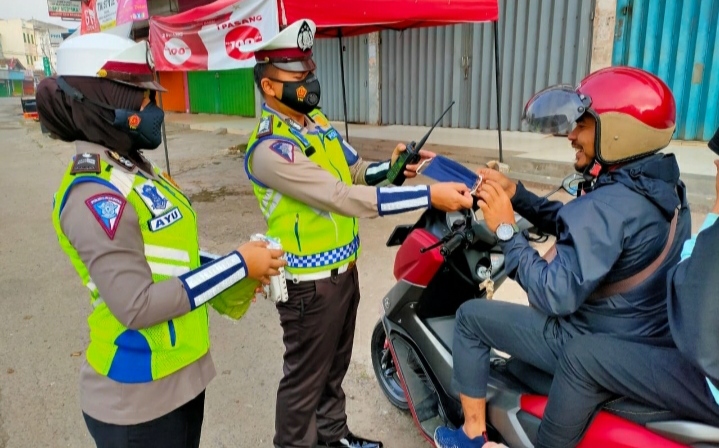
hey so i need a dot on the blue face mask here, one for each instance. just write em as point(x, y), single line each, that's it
point(443, 169)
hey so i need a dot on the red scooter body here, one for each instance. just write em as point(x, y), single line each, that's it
point(411, 347)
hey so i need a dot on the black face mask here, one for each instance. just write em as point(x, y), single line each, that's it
point(144, 127)
point(301, 96)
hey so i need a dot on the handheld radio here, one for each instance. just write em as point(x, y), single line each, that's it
point(411, 155)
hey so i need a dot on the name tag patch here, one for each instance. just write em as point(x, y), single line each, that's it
point(153, 198)
point(332, 134)
point(165, 220)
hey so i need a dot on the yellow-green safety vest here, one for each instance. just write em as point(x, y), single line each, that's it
point(169, 231)
point(313, 240)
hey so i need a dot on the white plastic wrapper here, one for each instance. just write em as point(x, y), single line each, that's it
point(277, 289)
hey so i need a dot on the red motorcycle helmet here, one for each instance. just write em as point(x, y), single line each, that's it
point(634, 110)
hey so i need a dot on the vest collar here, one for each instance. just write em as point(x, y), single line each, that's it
point(309, 123)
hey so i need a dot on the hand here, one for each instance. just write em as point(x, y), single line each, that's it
point(715, 209)
point(495, 205)
point(262, 263)
point(450, 196)
point(411, 170)
point(509, 187)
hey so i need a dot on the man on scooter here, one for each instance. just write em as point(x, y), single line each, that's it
point(679, 373)
point(614, 243)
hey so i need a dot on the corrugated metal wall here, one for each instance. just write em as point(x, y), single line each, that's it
point(678, 41)
point(541, 42)
point(326, 54)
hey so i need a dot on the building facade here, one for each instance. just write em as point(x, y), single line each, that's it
point(409, 77)
point(18, 41)
point(48, 38)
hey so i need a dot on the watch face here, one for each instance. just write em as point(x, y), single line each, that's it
point(505, 232)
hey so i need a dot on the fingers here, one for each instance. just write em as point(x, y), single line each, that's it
point(424, 154)
point(483, 206)
point(410, 174)
point(400, 147)
point(492, 188)
point(271, 272)
point(276, 253)
point(265, 280)
point(466, 200)
point(716, 163)
point(276, 264)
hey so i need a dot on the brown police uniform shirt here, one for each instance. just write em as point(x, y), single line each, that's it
point(119, 269)
point(311, 184)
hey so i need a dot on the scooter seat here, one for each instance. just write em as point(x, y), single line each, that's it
point(539, 382)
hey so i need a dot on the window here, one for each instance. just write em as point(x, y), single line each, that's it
point(32, 38)
point(24, 37)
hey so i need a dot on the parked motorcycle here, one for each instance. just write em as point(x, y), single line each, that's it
point(445, 259)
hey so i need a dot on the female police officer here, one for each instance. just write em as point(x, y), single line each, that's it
point(131, 235)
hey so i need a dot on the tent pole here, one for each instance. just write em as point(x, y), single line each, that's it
point(499, 89)
point(344, 89)
point(164, 135)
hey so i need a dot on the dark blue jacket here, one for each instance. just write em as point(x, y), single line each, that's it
point(604, 236)
point(694, 304)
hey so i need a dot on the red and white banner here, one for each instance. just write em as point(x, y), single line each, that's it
point(208, 37)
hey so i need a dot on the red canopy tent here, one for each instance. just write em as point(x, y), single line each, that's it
point(346, 18)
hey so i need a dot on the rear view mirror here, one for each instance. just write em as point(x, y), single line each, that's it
point(399, 234)
point(571, 183)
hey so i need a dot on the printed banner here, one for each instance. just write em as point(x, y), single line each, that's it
point(209, 37)
point(100, 15)
point(65, 9)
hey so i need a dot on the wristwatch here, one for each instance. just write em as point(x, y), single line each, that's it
point(505, 231)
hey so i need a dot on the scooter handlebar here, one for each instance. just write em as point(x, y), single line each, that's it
point(454, 242)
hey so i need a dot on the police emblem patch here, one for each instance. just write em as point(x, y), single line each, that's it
point(265, 127)
point(285, 149)
point(86, 163)
point(332, 134)
point(153, 198)
point(107, 209)
point(305, 39)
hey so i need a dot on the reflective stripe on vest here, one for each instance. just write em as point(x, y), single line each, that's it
point(314, 240)
point(137, 356)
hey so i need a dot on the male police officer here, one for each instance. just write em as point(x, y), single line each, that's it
point(305, 178)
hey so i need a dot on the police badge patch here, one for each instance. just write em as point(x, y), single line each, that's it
point(153, 198)
point(107, 209)
point(305, 39)
point(265, 127)
point(285, 149)
point(86, 163)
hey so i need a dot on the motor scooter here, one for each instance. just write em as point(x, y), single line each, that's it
point(444, 260)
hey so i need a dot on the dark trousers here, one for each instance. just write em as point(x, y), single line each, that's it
point(594, 369)
point(178, 429)
point(519, 330)
point(318, 322)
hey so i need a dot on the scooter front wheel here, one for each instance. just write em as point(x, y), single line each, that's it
point(385, 370)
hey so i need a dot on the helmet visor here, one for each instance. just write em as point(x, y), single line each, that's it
point(555, 109)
